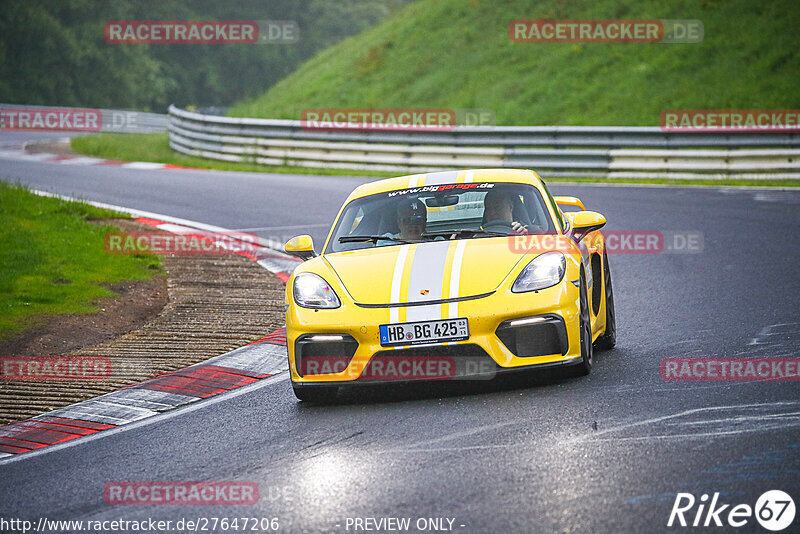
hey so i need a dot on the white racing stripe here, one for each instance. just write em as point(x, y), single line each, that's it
point(468, 177)
point(455, 276)
point(397, 280)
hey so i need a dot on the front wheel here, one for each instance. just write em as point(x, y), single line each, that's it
point(316, 394)
point(584, 367)
point(609, 337)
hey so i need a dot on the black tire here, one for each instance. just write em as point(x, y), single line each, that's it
point(587, 353)
point(316, 394)
point(609, 338)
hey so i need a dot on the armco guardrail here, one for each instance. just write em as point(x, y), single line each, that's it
point(614, 152)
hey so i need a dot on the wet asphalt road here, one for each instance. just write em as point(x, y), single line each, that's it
point(530, 453)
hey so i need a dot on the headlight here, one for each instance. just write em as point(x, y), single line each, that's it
point(543, 271)
point(311, 291)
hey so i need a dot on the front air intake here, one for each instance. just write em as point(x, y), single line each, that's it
point(528, 337)
point(316, 354)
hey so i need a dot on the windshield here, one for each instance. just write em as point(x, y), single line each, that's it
point(455, 211)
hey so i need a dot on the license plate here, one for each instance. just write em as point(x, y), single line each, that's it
point(424, 332)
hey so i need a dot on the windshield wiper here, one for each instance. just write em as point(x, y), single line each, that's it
point(465, 232)
point(373, 238)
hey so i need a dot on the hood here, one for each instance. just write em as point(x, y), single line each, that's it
point(424, 272)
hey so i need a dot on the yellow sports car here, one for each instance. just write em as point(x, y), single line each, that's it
point(447, 276)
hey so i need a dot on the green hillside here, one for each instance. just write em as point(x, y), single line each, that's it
point(457, 54)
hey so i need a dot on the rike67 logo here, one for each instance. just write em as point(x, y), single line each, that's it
point(774, 510)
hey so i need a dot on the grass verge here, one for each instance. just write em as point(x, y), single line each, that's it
point(155, 148)
point(457, 54)
point(53, 261)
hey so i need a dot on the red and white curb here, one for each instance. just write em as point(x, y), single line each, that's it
point(18, 151)
point(245, 365)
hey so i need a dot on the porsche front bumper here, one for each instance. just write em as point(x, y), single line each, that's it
point(507, 331)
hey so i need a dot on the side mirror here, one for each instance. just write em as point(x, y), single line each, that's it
point(569, 201)
point(301, 246)
point(584, 222)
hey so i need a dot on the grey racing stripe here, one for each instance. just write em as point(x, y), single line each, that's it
point(441, 178)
